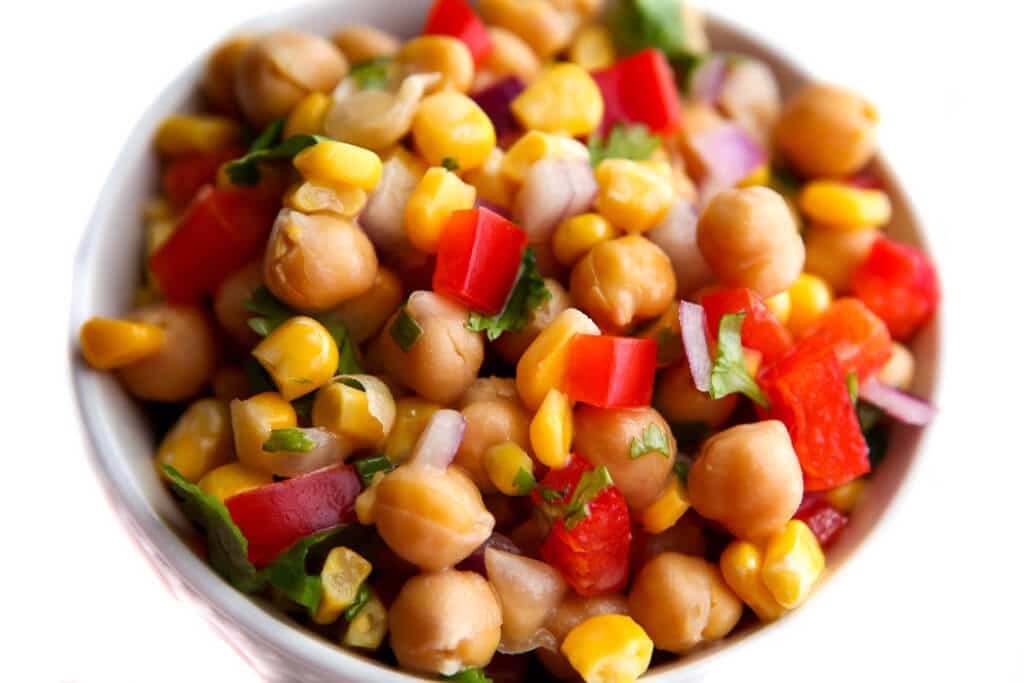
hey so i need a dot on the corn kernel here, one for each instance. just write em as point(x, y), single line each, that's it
point(575, 236)
point(564, 99)
point(810, 296)
point(343, 573)
point(345, 411)
point(253, 419)
point(844, 207)
point(898, 371)
point(534, 146)
point(368, 629)
point(551, 430)
point(366, 502)
point(633, 197)
point(300, 355)
point(342, 200)
point(190, 134)
point(107, 343)
point(542, 366)
point(232, 479)
point(845, 497)
point(158, 209)
point(741, 563)
point(491, 186)
point(793, 561)
point(671, 505)
point(761, 175)
point(199, 441)
point(438, 194)
point(780, 305)
point(593, 48)
point(608, 648)
point(307, 117)
point(411, 418)
point(338, 164)
point(449, 125)
point(503, 463)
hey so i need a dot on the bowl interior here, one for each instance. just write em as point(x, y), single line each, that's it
point(108, 270)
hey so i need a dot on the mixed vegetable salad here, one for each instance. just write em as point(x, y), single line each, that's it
point(548, 340)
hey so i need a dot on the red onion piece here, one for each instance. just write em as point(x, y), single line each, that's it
point(729, 155)
point(475, 561)
point(896, 403)
point(695, 342)
point(495, 102)
point(553, 190)
point(677, 237)
point(440, 440)
point(708, 78)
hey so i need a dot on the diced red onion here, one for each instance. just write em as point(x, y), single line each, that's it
point(729, 155)
point(553, 190)
point(495, 102)
point(441, 439)
point(707, 79)
point(475, 561)
point(695, 342)
point(677, 237)
point(897, 403)
point(382, 219)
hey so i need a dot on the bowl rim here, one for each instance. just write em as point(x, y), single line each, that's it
point(165, 549)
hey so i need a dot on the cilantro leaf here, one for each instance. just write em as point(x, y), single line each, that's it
point(682, 471)
point(246, 171)
point(550, 495)
point(623, 142)
point(373, 74)
point(450, 164)
point(288, 574)
point(405, 330)
point(348, 361)
point(652, 440)
point(638, 24)
point(292, 440)
point(527, 294)
point(469, 676)
point(729, 374)
point(368, 467)
point(525, 483)
point(590, 486)
point(363, 596)
point(852, 386)
point(269, 136)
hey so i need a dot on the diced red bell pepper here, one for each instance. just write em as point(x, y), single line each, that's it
point(611, 372)
point(274, 516)
point(457, 19)
point(640, 89)
point(823, 519)
point(899, 283)
point(222, 230)
point(592, 557)
point(858, 337)
point(807, 391)
point(478, 259)
point(185, 175)
point(761, 331)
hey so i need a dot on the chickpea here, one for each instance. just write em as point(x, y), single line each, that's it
point(229, 303)
point(490, 389)
point(443, 361)
point(685, 536)
point(546, 28)
point(185, 362)
point(314, 263)
point(571, 612)
point(748, 479)
point(490, 422)
point(282, 67)
point(677, 237)
point(899, 370)
point(749, 238)
point(682, 601)
point(442, 55)
point(510, 56)
point(361, 43)
point(511, 345)
point(376, 119)
point(827, 131)
point(680, 401)
point(231, 382)
point(694, 35)
point(833, 255)
point(604, 437)
point(366, 314)
point(219, 79)
point(623, 281)
point(750, 96)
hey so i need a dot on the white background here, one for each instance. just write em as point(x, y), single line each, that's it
point(937, 596)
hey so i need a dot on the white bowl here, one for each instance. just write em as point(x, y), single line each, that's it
point(107, 272)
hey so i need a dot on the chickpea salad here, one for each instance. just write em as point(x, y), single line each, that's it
point(550, 343)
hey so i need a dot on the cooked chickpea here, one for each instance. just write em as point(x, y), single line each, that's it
point(750, 96)
point(231, 382)
point(748, 479)
point(444, 622)
point(185, 362)
point(313, 263)
point(510, 346)
point(489, 389)
point(682, 601)
point(623, 281)
point(827, 131)
point(229, 303)
point(366, 314)
point(489, 422)
point(571, 612)
point(681, 402)
point(510, 56)
point(899, 370)
point(376, 119)
point(280, 68)
point(546, 28)
point(833, 255)
point(442, 55)
point(431, 517)
point(749, 238)
point(219, 79)
point(444, 360)
point(686, 536)
point(605, 437)
point(361, 43)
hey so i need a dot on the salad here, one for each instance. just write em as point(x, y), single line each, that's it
point(548, 342)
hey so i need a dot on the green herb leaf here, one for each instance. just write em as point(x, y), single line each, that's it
point(246, 171)
point(525, 483)
point(682, 471)
point(623, 142)
point(852, 386)
point(363, 596)
point(638, 24)
point(551, 495)
point(527, 294)
point(450, 164)
point(269, 136)
point(288, 574)
point(292, 440)
point(652, 440)
point(348, 361)
point(373, 74)
point(590, 486)
point(405, 330)
point(729, 374)
point(368, 467)
point(468, 676)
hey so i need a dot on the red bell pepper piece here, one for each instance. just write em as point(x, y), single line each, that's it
point(457, 19)
point(478, 259)
point(858, 337)
point(220, 232)
point(185, 175)
point(899, 283)
point(593, 556)
point(640, 89)
point(761, 331)
point(274, 516)
point(611, 372)
point(823, 519)
point(807, 391)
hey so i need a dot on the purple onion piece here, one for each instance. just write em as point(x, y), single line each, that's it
point(729, 155)
point(896, 403)
point(491, 206)
point(695, 343)
point(495, 102)
point(708, 79)
point(475, 561)
point(440, 440)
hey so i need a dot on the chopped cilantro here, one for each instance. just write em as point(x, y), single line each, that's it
point(652, 440)
point(246, 170)
point(373, 74)
point(368, 467)
point(638, 24)
point(550, 495)
point(468, 676)
point(623, 142)
point(525, 483)
point(291, 440)
point(590, 486)
point(682, 471)
point(450, 164)
point(729, 374)
point(527, 294)
point(405, 330)
point(287, 572)
point(852, 386)
point(363, 596)
point(269, 136)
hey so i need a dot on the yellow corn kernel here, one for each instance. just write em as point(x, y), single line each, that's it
point(158, 209)
point(188, 133)
point(844, 207)
point(449, 125)
point(575, 236)
point(438, 194)
point(761, 175)
point(300, 355)
point(741, 563)
point(343, 573)
point(564, 99)
point(551, 430)
point(662, 514)
point(846, 497)
point(108, 343)
point(345, 411)
point(232, 479)
point(780, 305)
point(608, 648)
point(593, 48)
point(490, 184)
point(368, 629)
point(503, 463)
point(199, 441)
point(632, 196)
point(307, 117)
point(253, 419)
point(793, 561)
point(338, 164)
point(542, 366)
point(366, 502)
point(342, 200)
point(534, 146)
point(809, 297)
point(411, 418)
